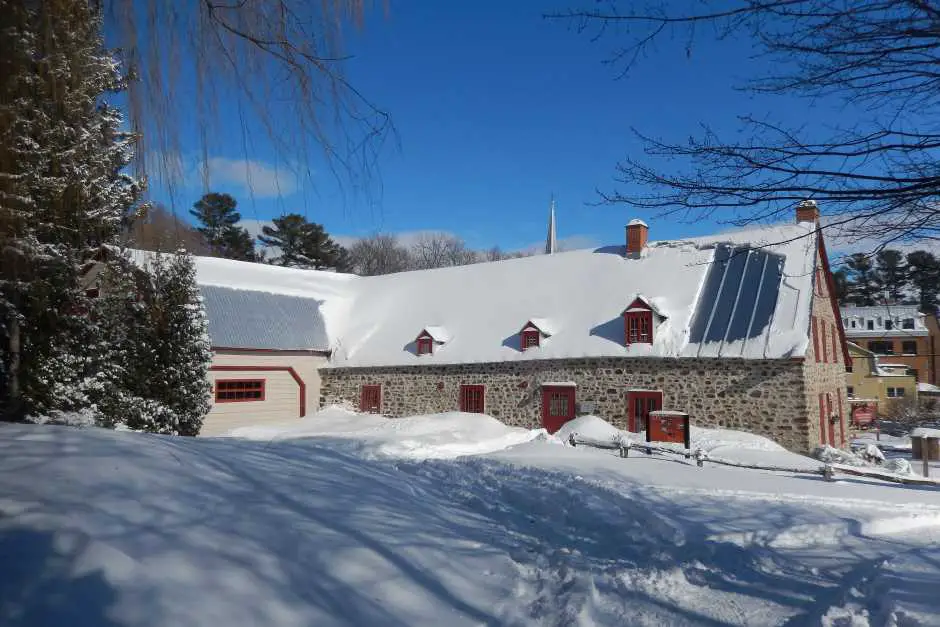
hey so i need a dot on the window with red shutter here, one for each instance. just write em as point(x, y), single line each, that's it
point(471, 399)
point(425, 345)
point(639, 326)
point(529, 339)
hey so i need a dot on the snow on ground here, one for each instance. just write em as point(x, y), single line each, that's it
point(328, 525)
point(446, 435)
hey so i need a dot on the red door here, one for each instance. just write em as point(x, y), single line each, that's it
point(370, 399)
point(822, 418)
point(639, 406)
point(832, 425)
point(557, 406)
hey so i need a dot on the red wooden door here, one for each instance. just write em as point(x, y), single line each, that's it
point(639, 406)
point(370, 399)
point(557, 406)
point(832, 425)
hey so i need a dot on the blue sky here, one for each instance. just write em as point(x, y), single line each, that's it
point(496, 109)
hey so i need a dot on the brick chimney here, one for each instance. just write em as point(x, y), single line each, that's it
point(637, 233)
point(807, 211)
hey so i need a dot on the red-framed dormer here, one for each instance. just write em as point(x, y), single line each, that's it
point(533, 332)
point(640, 319)
point(429, 338)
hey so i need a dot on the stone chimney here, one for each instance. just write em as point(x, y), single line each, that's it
point(807, 211)
point(637, 233)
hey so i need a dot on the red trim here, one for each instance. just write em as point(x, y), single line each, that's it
point(288, 369)
point(835, 345)
point(244, 389)
point(841, 422)
point(822, 341)
point(465, 401)
point(822, 418)
point(815, 337)
point(370, 398)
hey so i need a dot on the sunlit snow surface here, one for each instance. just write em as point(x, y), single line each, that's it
point(358, 520)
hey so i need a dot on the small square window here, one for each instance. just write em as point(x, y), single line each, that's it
point(870, 325)
point(850, 391)
point(909, 347)
point(889, 324)
point(895, 392)
point(907, 323)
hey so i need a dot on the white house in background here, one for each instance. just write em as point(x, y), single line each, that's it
point(740, 330)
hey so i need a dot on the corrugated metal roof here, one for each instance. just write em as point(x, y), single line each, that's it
point(254, 319)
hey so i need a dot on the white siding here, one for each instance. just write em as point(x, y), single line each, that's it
point(282, 393)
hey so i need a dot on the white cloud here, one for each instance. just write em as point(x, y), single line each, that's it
point(258, 178)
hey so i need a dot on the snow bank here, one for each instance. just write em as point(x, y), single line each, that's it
point(924, 432)
point(593, 428)
point(434, 436)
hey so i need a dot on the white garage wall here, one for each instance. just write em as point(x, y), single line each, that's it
point(282, 393)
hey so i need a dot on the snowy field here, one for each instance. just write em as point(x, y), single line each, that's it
point(452, 519)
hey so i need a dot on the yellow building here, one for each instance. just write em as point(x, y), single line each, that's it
point(869, 382)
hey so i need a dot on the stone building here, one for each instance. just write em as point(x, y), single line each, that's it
point(740, 330)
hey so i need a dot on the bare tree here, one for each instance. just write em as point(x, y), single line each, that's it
point(159, 229)
point(379, 254)
point(880, 177)
point(440, 250)
point(268, 59)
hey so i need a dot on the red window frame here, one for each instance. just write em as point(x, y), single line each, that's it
point(815, 325)
point(529, 338)
point(473, 399)
point(425, 345)
point(639, 404)
point(370, 399)
point(239, 390)
point(638, 326)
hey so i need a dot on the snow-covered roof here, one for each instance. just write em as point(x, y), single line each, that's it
point(637, 222)
point(928, 388)
point(253, 319)
point(745, 294)
point(437, 333)
point(544, 325)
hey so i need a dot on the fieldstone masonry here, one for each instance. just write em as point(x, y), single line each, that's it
point(766, 397)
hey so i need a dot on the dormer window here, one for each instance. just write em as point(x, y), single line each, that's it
point(638, 321)
point(425, 345)
point(533, 332)
point(428, 338)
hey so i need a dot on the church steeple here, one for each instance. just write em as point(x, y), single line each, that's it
point(550, 243)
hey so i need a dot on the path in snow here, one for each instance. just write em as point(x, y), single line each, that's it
point(107, 528)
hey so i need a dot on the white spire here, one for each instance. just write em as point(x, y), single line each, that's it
point(550, 240)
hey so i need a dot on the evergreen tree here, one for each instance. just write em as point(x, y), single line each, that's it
point(179, 353)
point(62, 194)
point(924, 273)
point(864, 288)
point(216, 212)
point(892, 274)
point(841, 283)
point(303, 244)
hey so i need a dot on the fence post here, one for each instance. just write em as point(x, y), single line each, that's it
point(925, 454)
point(624, 449)
point(571, 440)
point(829, 473)
point(700, 458)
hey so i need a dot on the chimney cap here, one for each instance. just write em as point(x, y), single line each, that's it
point(637, 222)
point(809, 202)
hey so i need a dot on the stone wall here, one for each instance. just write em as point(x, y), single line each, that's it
point(824, 370)
point(766, 397)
